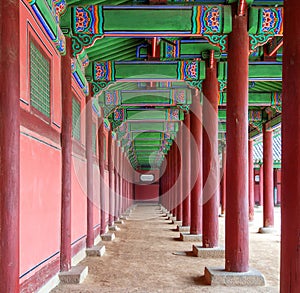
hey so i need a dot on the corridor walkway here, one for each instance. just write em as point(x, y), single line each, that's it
point(147, 257)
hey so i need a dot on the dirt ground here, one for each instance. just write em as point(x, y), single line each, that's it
point(147, 257)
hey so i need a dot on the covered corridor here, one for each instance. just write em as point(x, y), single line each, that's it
point(191, 105)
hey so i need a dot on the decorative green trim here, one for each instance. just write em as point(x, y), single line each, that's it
point(258, 40)
point(217, 40)
point(195, 84)
point(81, 41)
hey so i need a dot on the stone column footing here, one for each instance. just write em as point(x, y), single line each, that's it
point(75, 275)
point(219, 277)
point(108, 237)
point(214, 252)
point(120, 222)
point(178, 223)
point(186, 236)
point(114, 228)
point(183, 228)
point(98, 250)
point(267, 230)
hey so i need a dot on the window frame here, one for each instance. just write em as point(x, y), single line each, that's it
point(34, 110)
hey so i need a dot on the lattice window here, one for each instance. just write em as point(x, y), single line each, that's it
point(76, 121)
point(39, 81)
point(94, 139)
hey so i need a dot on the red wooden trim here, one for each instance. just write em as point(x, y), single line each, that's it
point(36, 124)
point(78, 246)
point(40, 277)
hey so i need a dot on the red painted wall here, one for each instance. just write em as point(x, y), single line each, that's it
point(40, 170)
point(146, 192)
point(40, 158)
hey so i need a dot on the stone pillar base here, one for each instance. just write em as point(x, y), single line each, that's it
point(178, 223)
point(119, 222)
point(215, 252)
point(114, 228)
point(108, 236)
point(123, 218)
point(267, 230)
point(96, 251)
point(190, 237)
point(172, 219)
point(219, 277)
point(183, 228)
point(75, 275)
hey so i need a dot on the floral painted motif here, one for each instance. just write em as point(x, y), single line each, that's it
point(103, 71)
point(119, 114)
point(88, 20)
point(272, 21)
point(207, 19)
point(188, 70)
point(179, 96)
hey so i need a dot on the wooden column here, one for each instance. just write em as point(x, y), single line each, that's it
point(223, 181)
point(10, 146)
point(101, 167)
point(210, 155)
point(110, 179)
point(290, 202)
point(261, 185)
point(117, 191)
point(251, 180)
point(89, 167)
point(66, 151)
point(179, 174)
point(186, 172)
point(196, 164)
point(268, 207)
point(236, 227)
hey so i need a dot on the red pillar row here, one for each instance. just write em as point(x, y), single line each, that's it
point(66, 151)
point(290, 205)
point(196, 164)
point(236, 221)
point(10, 146)
point(186, 171)
point(210, 155)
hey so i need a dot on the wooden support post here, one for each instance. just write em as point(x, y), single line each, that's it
point(186, 172)
point(210, 157)
point(10, 146)
point(251, 180)
point(196, 164)
point(268, 206)
point(236, 226)
point(89, 167)
point(66, 149)
point(223, 181)
point(290, 202)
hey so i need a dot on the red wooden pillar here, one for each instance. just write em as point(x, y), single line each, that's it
point(278, 185)
point(101, 167)
point(89, 167)
point(10, 146)
point(196, 164)
point(223, 181)
point(251, 180)
point(186, 171)
point(261, 185)
point(236, 227)
point(290, 202)
point(116, 188)
point(179, 174)
point(210, 155)
point(66, 151)
point(268, 207)
point(110, 179)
